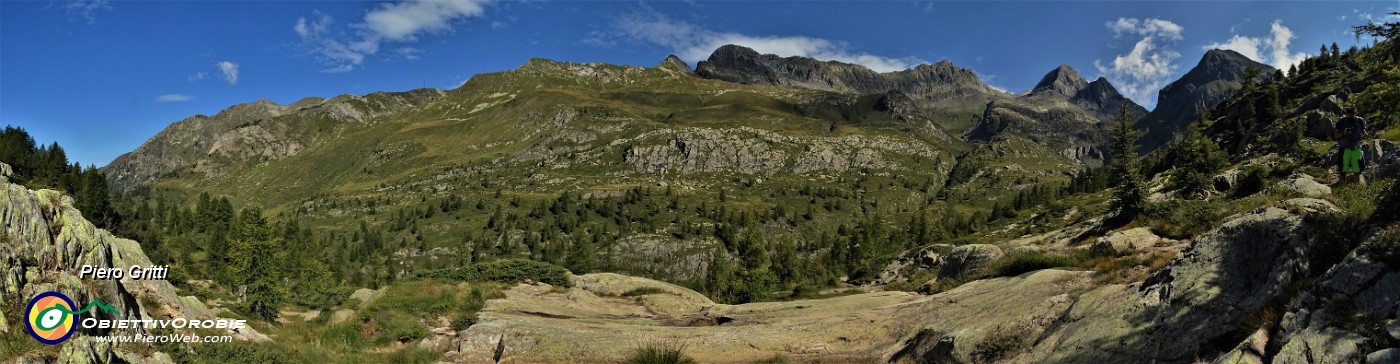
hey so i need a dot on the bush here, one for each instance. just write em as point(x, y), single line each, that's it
point(642, 291)
point(1385, 247)
point(345, 335)
point(1000, 344)
point(1388, 209)
point(1016, 264)
point(427, 299)
point(1251, 181)
point(659, 353)
point(391, 327)
point(466, 313)
point(508, 271)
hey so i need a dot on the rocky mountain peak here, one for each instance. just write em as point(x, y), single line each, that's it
point(676, 64)
point(1211, 81)
point(929, 84)
point(1063, 81)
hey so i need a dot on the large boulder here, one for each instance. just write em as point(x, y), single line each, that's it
point(968, 259)
point(1303, 185)
point(1318, 125)
point(1131, 240)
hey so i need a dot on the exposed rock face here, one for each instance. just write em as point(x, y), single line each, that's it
point(1063, 112)
point(676, 64)
point(1063, 81)
point(1304, 185)
point(753, 151)
point(1131, 240)
point(967, 259)
point(1104, 100)
point(47, 241)
point(927, 84)
point(252, 132)
point(591, 323)
point(1212, 80)
point(1191, 307)
point(1072, 131)
point(1350, 316)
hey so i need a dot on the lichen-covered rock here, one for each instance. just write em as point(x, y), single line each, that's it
point(1332, 322)
point(1131, 240)
point(1310, 206)
point(1304, 185)
point(1200, 298)
point(967, 259)
point(47, 241)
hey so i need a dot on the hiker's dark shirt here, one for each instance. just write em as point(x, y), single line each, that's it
point(1356, 125)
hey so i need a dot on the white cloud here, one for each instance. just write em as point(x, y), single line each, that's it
point(174, 98)
point(87, 9)
point(1144, 69)
point(1146, 27)
point(401, 22)
point(1272, 50)
point(339, 69)
point(230, 71)
point(409, 53)
point(693, 43)
point(196, 76)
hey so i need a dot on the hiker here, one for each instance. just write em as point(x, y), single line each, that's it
point(1348, 133)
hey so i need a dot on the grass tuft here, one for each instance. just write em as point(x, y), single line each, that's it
point(659, 353)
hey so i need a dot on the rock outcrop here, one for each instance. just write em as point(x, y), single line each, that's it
point(592, 322)
point(1351, 314)
point(966, 260)
point(46, 242)
point(1194, 308)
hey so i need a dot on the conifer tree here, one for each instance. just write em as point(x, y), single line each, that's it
point(1130, 195)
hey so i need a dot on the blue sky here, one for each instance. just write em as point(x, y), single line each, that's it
point(100, 77)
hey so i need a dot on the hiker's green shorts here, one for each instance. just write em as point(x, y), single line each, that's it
point(1351, 160)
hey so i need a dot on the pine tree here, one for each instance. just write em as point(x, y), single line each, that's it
point(755, 277)
point(1198, 158)
point(720, 275)
point(1130, 196)
point(256, 259)
point(580, 259)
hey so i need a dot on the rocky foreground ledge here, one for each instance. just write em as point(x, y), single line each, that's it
point(1211, 303)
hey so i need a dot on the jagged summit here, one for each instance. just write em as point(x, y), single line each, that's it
point(941, 82)
point(1063, 81)
point(1208, 83)
point(675, 63)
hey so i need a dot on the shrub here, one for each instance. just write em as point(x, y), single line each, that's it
point(390, 327)
point(344, 335)
point(466, 313)
point(659, 353)
point(1385, 247)
point(1016, 264)
point(1000, 344)
point(1251, 181)
point(642, 291)
point(427, 299)
point(776, 359)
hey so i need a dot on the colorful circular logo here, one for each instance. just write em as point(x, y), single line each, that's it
point(50, 318)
